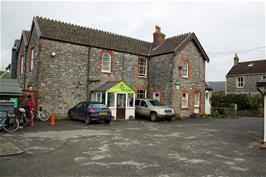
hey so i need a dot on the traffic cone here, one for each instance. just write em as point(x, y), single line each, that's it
point(52, 119)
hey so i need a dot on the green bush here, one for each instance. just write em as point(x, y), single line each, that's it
point(243, 101)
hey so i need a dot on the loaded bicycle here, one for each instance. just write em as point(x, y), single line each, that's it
point(25, 117)
point(8, 120)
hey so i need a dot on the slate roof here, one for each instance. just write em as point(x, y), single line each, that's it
point(17, 41)
point(66, 32)
point(9, 87)
point(217, 86)
point(248, 67)
point(105, 86)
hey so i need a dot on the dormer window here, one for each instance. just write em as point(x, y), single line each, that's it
point(251, 64)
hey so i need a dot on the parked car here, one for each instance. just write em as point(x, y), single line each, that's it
point(153, 109)
point(90, 111)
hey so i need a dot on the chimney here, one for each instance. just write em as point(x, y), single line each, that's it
point(158, 36)
point(236, 59)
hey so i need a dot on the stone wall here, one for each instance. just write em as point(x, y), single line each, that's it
point(195, 82)
point(21, 52)
point(31, 75)
point(62, 79)
point(160, 77)
point(249, 84)
point(124, 67)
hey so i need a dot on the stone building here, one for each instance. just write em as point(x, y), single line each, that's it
point(243, 76)
point(62, 64)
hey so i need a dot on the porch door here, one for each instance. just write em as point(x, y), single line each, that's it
point(121, 106)
point(196, 102)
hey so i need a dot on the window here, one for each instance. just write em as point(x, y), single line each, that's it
point(263, 77)
point(143, 104)
point(207, 95)
point(196, 99)
point(31, 58)
point(137, 102)
point(130, 100)
point(96, 96)
point(111, 100)
point(240, 82)
point(185, 69)
point(141, 94)
point(142, 63)
point(21, 64)
point(185, 100)
point(106, 62)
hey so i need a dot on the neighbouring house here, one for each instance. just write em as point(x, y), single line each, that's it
point(243, 76)
point(63, 64)
point(217, 86)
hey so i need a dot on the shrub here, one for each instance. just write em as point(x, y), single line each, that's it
point(243, 101)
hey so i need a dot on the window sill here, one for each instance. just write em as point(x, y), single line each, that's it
point(142, 77)
point(107, 72)
point(184, 77)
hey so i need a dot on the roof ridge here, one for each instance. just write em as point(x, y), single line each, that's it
point(94, 29)
point(252, 61)
point(179, 35)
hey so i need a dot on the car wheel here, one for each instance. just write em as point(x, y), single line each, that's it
point(87, 120)
point(70, 116)
point(107, 121)
point(169, 119)
point(154, 117)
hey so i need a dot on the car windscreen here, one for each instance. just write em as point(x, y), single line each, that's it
point(98, 106)
point(155, 103)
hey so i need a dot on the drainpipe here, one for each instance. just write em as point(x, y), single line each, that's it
point(25, 65)
point(88, 73)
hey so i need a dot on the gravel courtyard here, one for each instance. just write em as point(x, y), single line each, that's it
point(193, 147)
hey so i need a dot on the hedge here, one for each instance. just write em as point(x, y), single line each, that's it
point(243, 101)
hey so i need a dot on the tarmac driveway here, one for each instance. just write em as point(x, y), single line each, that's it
point(195, 147)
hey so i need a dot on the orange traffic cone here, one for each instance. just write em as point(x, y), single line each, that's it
point(52, 119)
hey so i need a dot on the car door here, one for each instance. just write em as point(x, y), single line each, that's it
point(83, 111)
point(77, 111)
point(144, 109)
point(137, 106)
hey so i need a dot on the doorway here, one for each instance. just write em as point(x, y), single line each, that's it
point(121, 106)
point(196, 102)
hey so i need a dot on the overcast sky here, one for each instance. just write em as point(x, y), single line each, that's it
point(223, 28)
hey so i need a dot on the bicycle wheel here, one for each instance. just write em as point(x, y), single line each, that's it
point(23, 120)
point(10, 124)
point(42, 115)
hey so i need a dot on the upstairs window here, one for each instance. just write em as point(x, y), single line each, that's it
point(185, 69)
point(106, 62)
point(141, 94)
point(21, 64)
point(31, 58)
point(142, 65)
point(240, 82)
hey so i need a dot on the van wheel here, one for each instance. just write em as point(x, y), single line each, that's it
point(154, 117)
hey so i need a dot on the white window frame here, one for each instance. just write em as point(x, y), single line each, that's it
point(21, 64)
point(110, 63)
point(31, 58)
point(96, 96)
point(145, 93)
point(140, 67)
point(263, 77)
point(186, 99)
point(197, 95)
point(240, 84)
point(185, 69)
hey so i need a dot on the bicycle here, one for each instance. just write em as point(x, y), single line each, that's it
point(9, 122)
point(40, 114)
